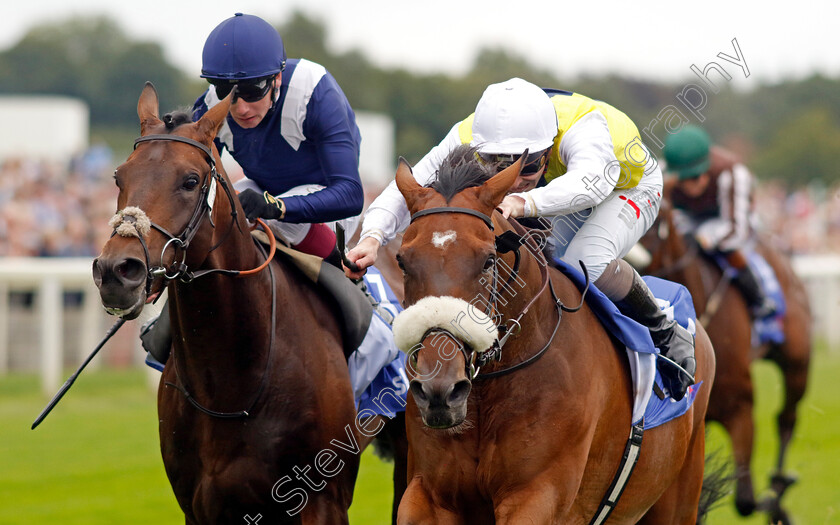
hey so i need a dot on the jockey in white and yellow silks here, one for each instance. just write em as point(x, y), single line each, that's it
point(587, 169)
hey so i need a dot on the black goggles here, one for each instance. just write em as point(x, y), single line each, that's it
point(248, 91)
point(534, 162)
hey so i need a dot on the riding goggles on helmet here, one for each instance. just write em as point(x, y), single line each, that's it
point(249, 91)
point(534, 162)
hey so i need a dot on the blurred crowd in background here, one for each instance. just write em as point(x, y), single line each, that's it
point(802, 221)
point(49, 209)
point(53, 210)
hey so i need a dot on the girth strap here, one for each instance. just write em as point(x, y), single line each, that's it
point(628, 463)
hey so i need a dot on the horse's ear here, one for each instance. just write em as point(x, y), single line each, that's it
point(147, 108)
point(209, 123)
point(408, 186)
point(494, 190)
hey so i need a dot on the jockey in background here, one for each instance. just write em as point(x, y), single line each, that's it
point(588, 169)
point(714, 194)
point(292, 131)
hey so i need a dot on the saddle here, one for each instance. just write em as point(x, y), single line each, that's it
point(353, 302)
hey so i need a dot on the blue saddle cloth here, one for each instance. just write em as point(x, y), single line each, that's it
point(386, 395)
point(768, 329)
point(675, 299)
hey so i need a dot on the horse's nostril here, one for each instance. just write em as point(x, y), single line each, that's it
point(460, 392)
point(417, 391)
point(131, 270)
point(128, 272)
point(97, 273)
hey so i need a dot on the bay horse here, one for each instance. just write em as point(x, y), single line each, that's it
point(539, 434)
point(256, 413)
point(728, 323)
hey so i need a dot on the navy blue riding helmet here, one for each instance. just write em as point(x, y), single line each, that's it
point(243, 47)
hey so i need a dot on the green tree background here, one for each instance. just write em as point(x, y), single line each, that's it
point(788, 131)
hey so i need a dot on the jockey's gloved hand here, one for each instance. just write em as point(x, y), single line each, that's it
point(262, 206)
point(677, 380)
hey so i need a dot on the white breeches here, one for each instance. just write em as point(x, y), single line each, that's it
point(609, 230)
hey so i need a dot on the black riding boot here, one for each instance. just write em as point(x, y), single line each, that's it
point(673, 341)
point(760, 305)
point(156, 335)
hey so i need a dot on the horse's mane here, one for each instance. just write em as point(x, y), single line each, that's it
point(176, 118)
point(461, 169)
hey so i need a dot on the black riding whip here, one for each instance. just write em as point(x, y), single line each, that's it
point(342, 249)
point(67, 384)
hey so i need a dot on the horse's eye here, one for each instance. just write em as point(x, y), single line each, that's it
point(190, 182)
point(490, 262)
point(116, 179)
point(400, 263)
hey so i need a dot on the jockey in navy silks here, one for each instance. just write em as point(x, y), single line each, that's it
point(290, 128)
point(293, 132)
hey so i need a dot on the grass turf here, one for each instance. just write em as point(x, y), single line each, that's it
point(95, 459)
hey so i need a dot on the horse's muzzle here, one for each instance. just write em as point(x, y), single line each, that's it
point(441, 408)
point(121, 282)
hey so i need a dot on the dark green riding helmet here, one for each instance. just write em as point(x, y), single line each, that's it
point(687, 152)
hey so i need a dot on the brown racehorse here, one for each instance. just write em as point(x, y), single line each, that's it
point(541, 440)
point(257, 417)
point(729, 327)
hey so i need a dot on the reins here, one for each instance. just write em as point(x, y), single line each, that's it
point(183, 388)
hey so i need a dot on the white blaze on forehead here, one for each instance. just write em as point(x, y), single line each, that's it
point(441, 239)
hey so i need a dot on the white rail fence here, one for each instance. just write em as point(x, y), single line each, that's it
point(51, 318)
point(44, 329)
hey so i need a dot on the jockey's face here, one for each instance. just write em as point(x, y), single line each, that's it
point(696, 186)
point(533, 169)
point(250, 114)
point(527, 181)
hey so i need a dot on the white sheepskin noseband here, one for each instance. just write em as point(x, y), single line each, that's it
point(458, 317)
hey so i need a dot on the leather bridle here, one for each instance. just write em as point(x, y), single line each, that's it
point(203, 209)
point(508, 241)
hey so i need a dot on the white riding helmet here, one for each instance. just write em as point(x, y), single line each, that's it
point(513, 116)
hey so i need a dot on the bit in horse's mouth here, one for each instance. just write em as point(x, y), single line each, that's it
point(128, 313)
